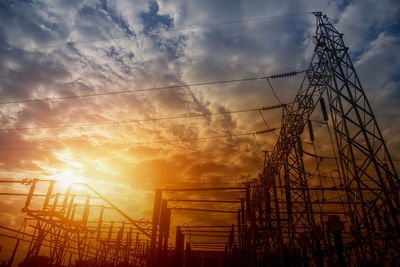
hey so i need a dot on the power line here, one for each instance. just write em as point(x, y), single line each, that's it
point(330, 157)
point(273, 91)
point(183, 28)
point(149, 142)
point(182, 116)
point(206, 210)
point(366, 33)
point(139, 90)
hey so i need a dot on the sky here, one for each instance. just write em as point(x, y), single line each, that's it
point(126, 144)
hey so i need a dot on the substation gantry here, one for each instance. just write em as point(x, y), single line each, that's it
point(76, 226)
point(296, 213)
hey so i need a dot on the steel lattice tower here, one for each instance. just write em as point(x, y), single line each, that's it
point(281, 200)
point(365, 163)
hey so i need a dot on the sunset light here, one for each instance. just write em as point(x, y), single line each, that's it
point(202, 133)
point(68, 177)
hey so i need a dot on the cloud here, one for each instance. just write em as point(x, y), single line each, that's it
point(51, 49)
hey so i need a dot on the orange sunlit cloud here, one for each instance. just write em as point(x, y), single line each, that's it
point(126, 140)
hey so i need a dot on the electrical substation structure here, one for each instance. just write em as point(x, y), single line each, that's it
point(304, 209)
point(293, 217)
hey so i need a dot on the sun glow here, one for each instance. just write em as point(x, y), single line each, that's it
point(68, 177)
point(70, 171)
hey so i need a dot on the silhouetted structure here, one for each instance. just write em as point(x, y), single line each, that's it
point(294, 214)
point(70, 229)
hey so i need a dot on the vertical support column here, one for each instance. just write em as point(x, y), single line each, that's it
point(335, 226)
point(243, 211)
point(250, 216)
point(100, 223)
point(166, 232)
point(260, 214)
point(188, 255)
point(136, 250)
point(239, 233)
point(162, 228)
point(118, 245)
point(288, 199)
point(30, 195)
point(107, 244)
point(48, 195)
point(86, 209)
point(179, 243)
point(155, 220)
point(231, 238)
point(278, 233)
point(70, 208)
point(317, 236)
point(128, 246)
point(268, 210)
point(66, 198)
point(10, 262)
point(54, 206)
point(304, 243)
point(248, 204)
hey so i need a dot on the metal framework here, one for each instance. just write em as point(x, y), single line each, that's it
point(195, 242)
point(294, 214)
point(282, 200)
point(77, 227)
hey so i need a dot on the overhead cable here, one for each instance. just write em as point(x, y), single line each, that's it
point(143, 143)
point(168, 87)
point(182, 116)
point(131, 35)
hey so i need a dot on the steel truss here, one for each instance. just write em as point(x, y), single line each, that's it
point(289, 217)
point(283, 213)
point(70, 228)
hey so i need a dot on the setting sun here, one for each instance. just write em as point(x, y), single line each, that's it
point(68, 177)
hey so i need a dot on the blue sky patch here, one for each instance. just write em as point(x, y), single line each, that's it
point(152, 20)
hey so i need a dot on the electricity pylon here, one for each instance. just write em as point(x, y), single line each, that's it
point(370, 182)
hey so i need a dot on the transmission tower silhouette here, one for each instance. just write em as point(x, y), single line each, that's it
point(329, 198)
point(283, 218)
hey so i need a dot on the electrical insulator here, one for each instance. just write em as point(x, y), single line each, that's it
point(300, 145)
point(266, 131)
point(323, 109)
point(283, 75)
point(310, 130)
point(274, 107)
